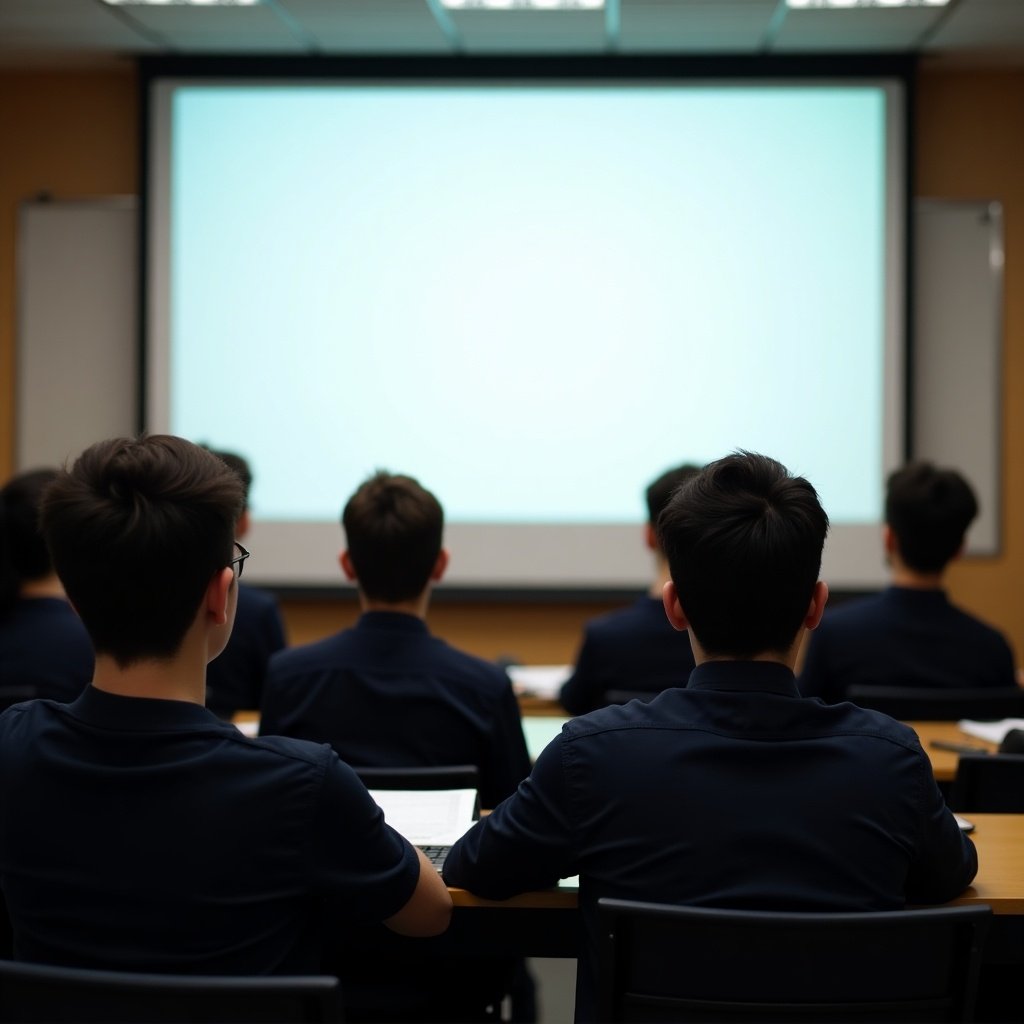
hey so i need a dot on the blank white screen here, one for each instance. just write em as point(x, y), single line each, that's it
point(533, 298)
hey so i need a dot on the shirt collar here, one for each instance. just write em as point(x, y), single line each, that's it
point(916, 595)
point(745, 676)
point(401, 621)
point(114, 711)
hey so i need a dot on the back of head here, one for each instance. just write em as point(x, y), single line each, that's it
point(239, 465)
point(393, 529)
point(659, 492)
point(137, 529)
point(743, 540)
point(929, 510)
point(23, 552)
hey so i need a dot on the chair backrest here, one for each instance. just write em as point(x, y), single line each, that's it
point(448, 776)
point(669, 963)
point(913, 703)
point(988, 784)
point(38, 992)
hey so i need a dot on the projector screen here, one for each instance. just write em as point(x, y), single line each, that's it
point(534, 297)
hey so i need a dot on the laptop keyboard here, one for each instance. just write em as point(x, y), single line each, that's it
point(436, 855)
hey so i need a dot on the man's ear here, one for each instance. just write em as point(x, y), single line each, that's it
point(440, 566)
point(651, 536)
point(816, 609)
point(243, 524)
point(888, 539)
point(345, 561)
point(218, 595)
point(673, 609)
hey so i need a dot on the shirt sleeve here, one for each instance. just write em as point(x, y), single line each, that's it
point(360, 866)
point(525, 844)
point(507, 760)
point(945, 861)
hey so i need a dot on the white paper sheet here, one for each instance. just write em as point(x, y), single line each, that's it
point(427, 817)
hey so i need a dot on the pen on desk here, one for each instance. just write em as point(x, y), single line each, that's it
point(957, 748)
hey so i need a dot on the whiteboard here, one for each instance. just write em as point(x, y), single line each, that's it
point(77, 353)
point(957, 357)
point(77, 377)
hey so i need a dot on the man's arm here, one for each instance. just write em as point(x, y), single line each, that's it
point(429, 909)
point(946, 860)
point(526, 844)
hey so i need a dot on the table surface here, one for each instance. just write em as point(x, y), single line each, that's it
point(1000, 881)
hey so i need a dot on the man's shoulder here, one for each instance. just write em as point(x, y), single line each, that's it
point(317, 656)
point(462, 667)
point(682, 710)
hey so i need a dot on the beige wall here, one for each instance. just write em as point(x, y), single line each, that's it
point(74, 134)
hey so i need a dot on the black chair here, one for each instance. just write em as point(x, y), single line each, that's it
point(988, 784)
point(669, 963)
point(448, 776)
point(919, 704)
point(35, 993)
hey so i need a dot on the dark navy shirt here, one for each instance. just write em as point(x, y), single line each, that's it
point(733, 792)
point(234, 679)
point(147, 835)
point(634, 648)
point(387, 693)
point(903, 637)
point(43, 644)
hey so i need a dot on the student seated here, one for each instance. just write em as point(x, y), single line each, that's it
point(910, 634)
point(634, 648)
point(387, 693)
point(138, 831)
point(234, 680)
point(733, 791)
point(44, 648)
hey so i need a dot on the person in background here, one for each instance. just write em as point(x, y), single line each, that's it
point(44, 648)
point(634, 649)
point(234, 681)
point(138, 831)
point(387, 693)
point(911, 634)
point(734, 791)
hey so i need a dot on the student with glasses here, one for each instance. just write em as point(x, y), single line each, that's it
point(137, 830)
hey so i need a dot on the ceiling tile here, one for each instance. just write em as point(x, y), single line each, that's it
point(702, 26)
point(854, 29)
point(368, 26)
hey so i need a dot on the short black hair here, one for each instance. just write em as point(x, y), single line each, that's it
point(659, 491)
point(393, 528)
point(929, 510)
point(137, 528)
point(743, 539)
point(23, 552)
point(240, 465)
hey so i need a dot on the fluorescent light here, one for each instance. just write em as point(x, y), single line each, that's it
point(523, 5)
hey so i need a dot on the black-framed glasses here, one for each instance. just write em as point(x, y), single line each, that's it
point(238, 563)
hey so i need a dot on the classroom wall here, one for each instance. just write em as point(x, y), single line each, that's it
point(73, 134)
